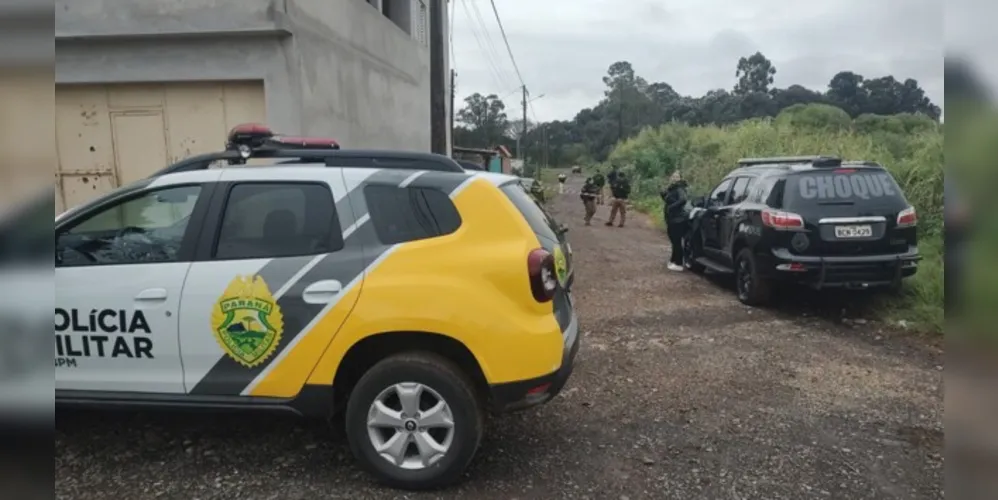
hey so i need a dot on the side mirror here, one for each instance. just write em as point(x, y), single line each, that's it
point(699, 202)
point(562, 229)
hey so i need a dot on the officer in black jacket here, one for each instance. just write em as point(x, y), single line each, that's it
point(620, 189)
point(599, 181)
point(588, 195)
point(675, 197)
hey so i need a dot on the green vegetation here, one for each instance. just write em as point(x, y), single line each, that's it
point(971, 150)
point(653, 129)
point(910, 146)
point(631, 103)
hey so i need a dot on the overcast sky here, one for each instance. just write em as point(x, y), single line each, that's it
point(564, 47)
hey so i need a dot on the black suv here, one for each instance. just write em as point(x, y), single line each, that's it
point(813, 220)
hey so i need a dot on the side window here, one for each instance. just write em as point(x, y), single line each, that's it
point(740, 190)
point(719, 195)
point(140, 230)
point(775, 197)
point(276, 219)
point(403, 214)
point(759, 189)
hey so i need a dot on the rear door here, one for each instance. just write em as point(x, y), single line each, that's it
point(847, 211)
point(276, 272)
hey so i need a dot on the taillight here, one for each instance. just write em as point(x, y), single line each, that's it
point(907, 217)
point(543, 282)
point(782, 220)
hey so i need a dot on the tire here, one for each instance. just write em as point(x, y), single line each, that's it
point(440, 380)
point(690, 252)
point(752, 290)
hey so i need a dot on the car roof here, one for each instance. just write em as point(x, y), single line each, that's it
point(766, 169)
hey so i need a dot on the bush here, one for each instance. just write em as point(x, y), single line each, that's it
point(814, 117)
point(911, 147)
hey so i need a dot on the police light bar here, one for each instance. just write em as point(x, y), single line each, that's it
point(247, 137)
point(305, 142)
point(252, 135)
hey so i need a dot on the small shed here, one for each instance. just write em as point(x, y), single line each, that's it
point(493, 160)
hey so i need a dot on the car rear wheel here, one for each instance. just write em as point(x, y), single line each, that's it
point(414, 421)
point(752, 289)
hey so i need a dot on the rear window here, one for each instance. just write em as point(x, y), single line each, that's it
point(874, 188)
point(542, 223)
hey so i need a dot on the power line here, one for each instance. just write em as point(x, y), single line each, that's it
point(488, 38)
point(506, 41)
point(494, 72)
point(450, 34)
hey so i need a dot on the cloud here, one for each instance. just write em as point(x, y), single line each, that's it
point(564, 47)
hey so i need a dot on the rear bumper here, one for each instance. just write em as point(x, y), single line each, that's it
point(854, 272)
point(522, 394)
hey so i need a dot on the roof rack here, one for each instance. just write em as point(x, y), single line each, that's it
point(816, 161)
point(865, 163)
point(253, 140)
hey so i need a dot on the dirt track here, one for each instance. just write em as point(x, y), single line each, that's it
point(679, 392)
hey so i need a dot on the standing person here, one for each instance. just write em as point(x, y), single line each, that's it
point(561, 183)
point(675, 198)
point(621, 191)
point(956, 225)
point(611, 177)
point(588, 195)
point(599, 181)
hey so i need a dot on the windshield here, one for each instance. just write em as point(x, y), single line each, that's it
point(538, 218)
point(844, 187)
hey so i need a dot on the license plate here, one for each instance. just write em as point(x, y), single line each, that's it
point(853, 231)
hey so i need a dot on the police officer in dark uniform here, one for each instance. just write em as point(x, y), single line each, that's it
point(588, 195)
point(599, 181)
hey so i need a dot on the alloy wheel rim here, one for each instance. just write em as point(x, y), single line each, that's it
point(410, 425)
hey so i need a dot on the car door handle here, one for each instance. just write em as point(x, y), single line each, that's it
point(152, 295)
point(321, 292)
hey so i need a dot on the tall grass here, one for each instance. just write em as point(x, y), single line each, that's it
point(911, 147)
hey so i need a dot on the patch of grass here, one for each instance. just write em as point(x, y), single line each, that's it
point(911, 147)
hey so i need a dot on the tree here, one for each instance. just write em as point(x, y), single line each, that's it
point(846, 91)
point(755, 73)
point(485, 116)
point(795, 94)
point(630, 103)
point(625, 98)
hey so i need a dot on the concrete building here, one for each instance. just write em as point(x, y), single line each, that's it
point(143, 83)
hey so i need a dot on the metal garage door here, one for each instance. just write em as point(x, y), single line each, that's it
point(111, 135)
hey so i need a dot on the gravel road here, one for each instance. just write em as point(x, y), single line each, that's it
point(679, 392)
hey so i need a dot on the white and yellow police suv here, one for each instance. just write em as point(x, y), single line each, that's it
point(397, 287)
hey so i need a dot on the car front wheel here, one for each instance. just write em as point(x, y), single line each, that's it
point(414, 421)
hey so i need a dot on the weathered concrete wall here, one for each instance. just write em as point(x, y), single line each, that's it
point(363, 79)
point(330, 67)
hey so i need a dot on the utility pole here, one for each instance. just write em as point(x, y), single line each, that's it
point(544, 130)
point(523, 133)
point(453, 94)
point(438, 90)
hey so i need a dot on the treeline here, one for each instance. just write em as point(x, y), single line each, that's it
point(630, 104)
